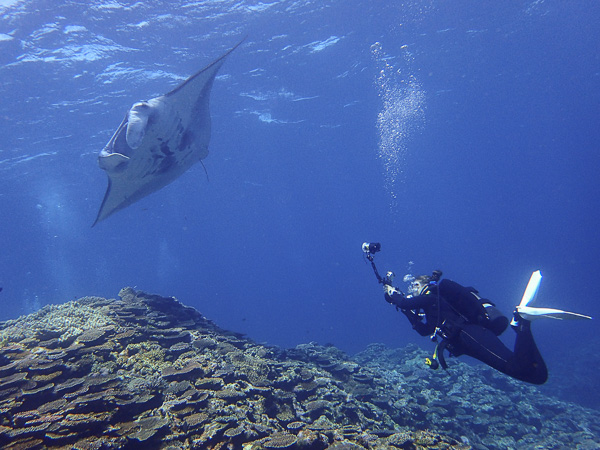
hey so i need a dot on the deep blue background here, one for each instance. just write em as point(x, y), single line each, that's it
point(497, 166)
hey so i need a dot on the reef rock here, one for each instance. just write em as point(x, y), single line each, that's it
point(479, 405)
point(145, 371)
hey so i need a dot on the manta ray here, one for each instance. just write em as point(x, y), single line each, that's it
point(158, 140)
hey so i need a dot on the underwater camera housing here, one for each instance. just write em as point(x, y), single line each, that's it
point(369, 249)
point(373, 247)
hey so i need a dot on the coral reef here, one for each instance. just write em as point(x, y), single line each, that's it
point(479, 405)
point(145, 371)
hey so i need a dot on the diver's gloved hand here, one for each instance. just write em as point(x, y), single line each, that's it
point(389, 292)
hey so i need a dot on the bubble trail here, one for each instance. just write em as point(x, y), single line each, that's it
point(402, 114)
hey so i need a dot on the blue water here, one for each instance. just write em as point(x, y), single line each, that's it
point(464, 136)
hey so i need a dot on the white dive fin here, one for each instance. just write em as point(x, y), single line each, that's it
point(531, 313)
point(532, 289)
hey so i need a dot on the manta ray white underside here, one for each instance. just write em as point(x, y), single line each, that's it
point(158, 140)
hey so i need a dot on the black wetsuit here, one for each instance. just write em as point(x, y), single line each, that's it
point(462, 318)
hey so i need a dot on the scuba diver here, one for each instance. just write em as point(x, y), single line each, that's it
point(467, 324)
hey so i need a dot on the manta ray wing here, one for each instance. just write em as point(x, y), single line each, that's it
point(158, 140)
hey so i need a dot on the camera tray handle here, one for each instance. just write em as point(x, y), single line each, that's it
point(380, 279)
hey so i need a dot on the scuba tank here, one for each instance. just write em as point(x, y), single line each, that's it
point(467, 303)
